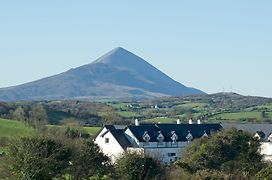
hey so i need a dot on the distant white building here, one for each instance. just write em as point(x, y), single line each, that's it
point(162, 141)
point(266, 148)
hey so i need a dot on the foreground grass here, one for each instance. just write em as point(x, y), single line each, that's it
point(10, 128)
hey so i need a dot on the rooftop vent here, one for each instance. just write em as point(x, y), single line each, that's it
point(137, 122)
point(178, 121)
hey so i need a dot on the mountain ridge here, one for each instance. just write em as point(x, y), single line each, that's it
point(117, 74)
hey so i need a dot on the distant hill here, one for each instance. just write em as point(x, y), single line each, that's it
point(119, 74)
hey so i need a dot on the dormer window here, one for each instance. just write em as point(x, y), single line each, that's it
point(160, 137)
point(146, 137)
point(189, 136)
point(205, 134)
point(174, 137)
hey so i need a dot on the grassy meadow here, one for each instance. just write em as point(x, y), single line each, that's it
point(14, 128)
point(10, 128)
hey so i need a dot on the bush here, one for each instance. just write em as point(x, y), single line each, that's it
point(137, 166)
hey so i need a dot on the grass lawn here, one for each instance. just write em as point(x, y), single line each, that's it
point(161, 120)
point(240, 115)
point(14, 128)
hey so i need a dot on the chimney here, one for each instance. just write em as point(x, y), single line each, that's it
point(178, 121)
point(137, 122)
point(199, 121)
point(191, 121)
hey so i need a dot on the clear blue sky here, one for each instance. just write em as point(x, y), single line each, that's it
point(210, 45)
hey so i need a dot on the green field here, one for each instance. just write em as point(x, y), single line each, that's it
point(92, 130)
point(241, 115)
point(127, 114)
point(118, 105)
point(161, 120)
point(192, 105)
point(14, 128)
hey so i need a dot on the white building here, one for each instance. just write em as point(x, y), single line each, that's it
point(162, 141)
point(266, 149)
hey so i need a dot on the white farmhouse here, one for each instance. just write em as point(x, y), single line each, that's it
point(162, 141)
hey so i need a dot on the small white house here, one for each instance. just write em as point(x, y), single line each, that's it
point(266, 149)
point(162, 141)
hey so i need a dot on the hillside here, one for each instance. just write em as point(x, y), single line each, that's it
point(222, 107)
point(119, 74)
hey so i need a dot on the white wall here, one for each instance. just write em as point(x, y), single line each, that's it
point(266, 151)
point(179, 144)
point(165, 155)
point(112, 149)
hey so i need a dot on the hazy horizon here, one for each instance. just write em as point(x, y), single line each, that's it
point(212, 46)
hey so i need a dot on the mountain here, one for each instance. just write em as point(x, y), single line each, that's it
point(119, 74)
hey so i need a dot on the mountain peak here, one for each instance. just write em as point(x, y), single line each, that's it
point(120, 57)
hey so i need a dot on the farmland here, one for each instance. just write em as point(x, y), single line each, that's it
point(14, 128)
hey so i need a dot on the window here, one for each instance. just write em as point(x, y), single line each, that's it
point(189, 137)
point(146, 137)
point(174, 137)
point(171, 154)
point(160, 138)
point(107, 140)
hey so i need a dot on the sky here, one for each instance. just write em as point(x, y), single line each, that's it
point(215, 46)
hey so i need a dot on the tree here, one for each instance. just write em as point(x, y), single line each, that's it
point(263, 114)
point(19, 114)
point(137, 166)
point(265, 173)
point(38, 115)
point(88, 160)
point(230, 151)
point(36, 158)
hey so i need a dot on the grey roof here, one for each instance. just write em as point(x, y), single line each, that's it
point(167, 130)
point(118, 134)
point(181, 130)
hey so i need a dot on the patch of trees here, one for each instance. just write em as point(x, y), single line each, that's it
point(137, 166)
point(53, 154)
point(230, 154)
point(57, 112)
